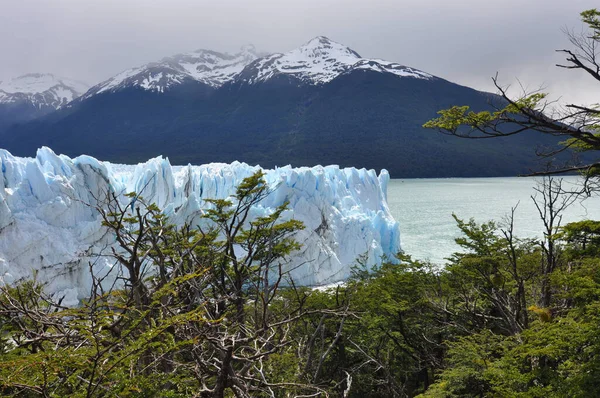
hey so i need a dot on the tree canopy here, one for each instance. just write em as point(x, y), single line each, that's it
point(577, 124)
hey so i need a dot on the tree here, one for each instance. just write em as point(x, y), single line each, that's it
point(578, 125)
point(196, 312)
point(503, 282)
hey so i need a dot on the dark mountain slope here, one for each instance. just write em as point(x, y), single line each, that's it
point(319, 104)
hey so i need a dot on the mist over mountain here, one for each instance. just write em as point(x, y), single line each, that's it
point(36, 94)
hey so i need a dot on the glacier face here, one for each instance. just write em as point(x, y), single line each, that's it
point(49, 224)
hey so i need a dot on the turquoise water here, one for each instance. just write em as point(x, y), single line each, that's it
point(424, 209)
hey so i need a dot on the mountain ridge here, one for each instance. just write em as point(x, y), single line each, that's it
point(41, 90)
point(208, 67)
point(317, 61)
point(34, 95)
point(318, 104)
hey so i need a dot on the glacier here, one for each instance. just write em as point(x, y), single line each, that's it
point(49, 224)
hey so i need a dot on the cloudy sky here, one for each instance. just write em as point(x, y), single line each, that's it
point(465, 41)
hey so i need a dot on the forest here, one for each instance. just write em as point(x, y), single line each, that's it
point(505, 317)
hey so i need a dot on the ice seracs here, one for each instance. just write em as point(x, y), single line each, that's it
point(48, 221)
point(41, 90)
point(319, 61)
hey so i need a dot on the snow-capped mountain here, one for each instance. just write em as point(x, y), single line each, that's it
point(41, 90)
point(319, 61)
point(321, 103)
point(205, 66)
point(316, 62)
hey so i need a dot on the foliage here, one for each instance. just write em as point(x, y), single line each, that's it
point(578, 125)
point(553, 351)
point(210, 321)
point(192, 317)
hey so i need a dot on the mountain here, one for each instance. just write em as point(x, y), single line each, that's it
point(206, 67)
point(321, 103)
point(318, 62)
point(36, 94)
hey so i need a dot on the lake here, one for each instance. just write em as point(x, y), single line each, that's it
point(424, 208)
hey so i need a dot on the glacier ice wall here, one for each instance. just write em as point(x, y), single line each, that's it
point(48, 221)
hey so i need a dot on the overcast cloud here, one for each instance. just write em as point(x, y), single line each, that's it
point(463, 41)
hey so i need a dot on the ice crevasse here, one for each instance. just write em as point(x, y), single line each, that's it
point(49, 224)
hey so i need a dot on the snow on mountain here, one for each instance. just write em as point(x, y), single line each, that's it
point(209, 67)
point(42, 90)
point(316, 62)
point(48, 220)
point(319, 61)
